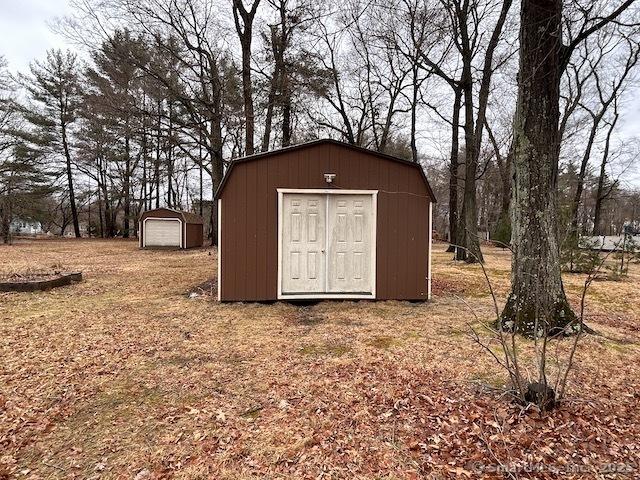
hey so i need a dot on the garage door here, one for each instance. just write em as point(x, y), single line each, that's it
point(162, 233)
point(327, 245)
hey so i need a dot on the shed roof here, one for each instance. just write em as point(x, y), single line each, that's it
point(298, 146)
point(188, 217)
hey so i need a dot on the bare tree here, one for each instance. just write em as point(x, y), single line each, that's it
point(604, 100)
point(243, 19)
point(466, 21)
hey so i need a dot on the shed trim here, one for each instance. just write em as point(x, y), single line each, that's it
point(219, 249)
point(373, 265)
point(430, 251)
point(258, 156)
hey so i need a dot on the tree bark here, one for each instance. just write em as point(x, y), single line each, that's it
point(158, 147)
point(245, 34)
point(600, 194)
point(468, 232)
point(577, 197)
point(537, 303)
point(7, 215)
point(453, 171)
point(415, 90)
point(72, 197)
point(170, 195)
point(127, 185)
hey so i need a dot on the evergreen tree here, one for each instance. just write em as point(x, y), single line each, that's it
point(54, 96)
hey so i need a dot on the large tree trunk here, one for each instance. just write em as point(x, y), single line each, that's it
point(453, 171)
point(537, 303)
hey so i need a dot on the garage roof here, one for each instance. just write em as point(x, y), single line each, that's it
point(188, 217)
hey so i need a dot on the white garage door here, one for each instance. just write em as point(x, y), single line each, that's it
point(327, 245)
point(162, 233)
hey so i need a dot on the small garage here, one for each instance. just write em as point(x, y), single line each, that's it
point(324, 220)
point(169, 228)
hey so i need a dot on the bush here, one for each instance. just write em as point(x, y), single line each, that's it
point(580, 256)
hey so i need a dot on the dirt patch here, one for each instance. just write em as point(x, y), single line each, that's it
point(208, 288)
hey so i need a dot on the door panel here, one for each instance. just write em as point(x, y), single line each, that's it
point(162, 233)
point(303, 243)
point(350, 249)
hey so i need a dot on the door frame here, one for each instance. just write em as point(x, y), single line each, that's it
point(374, 233)
point(182, 230)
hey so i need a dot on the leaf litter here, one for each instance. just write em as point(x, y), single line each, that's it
point(124, 376)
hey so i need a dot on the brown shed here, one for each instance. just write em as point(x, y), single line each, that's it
point(324, 219)
point(169, 228)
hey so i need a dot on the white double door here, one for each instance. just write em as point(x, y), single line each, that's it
point(327, 244)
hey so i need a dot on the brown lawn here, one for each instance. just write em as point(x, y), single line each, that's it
point(124, 376)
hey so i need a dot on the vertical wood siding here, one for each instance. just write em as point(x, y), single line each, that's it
point(250, 218)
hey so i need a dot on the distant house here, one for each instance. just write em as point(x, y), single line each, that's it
point(23, 226)
point(608, 243)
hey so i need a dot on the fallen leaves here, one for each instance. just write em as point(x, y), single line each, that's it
point(125, 376)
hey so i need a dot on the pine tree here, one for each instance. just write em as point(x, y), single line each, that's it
point(53, 87)
point(23, 182)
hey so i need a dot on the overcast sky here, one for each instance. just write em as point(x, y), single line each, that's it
point(26, 35)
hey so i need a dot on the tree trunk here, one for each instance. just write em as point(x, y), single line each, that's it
point(453, 172)
point(127, 186)
point(537, 303)
point(468, 232)
point(577, 197)
point(99, 192)
point(600, 194)
point(285, 96)
point(200, 171)
point(7, 215)
point(72, 197)
point(158, 148)
point(145, 155)
point(247, 94)
point(415, 90)
point(597, 229)
point(170, 202)
point(215, 145)
point(245, 34)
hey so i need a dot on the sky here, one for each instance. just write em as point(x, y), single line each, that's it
point(26, 35)
point(25, 32)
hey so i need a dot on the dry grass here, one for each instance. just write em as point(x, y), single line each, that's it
point(124, 375)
